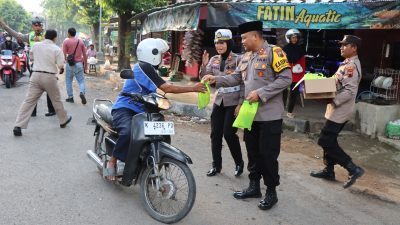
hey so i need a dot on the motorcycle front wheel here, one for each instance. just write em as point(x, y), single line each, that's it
point(176, 194)
point(7, 81)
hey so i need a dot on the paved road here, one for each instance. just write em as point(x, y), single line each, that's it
point(46, 178)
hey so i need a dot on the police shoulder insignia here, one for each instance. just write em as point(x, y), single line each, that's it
point(279, 60)
point(349, 70)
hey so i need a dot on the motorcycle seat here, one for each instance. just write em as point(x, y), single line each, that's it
point(104, 111)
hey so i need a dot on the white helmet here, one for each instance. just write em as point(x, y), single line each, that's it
point(290, 33)
point(150, 50)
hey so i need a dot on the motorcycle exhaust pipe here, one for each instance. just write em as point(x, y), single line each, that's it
point(93, 156)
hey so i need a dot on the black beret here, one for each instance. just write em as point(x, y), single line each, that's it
point(250, 26)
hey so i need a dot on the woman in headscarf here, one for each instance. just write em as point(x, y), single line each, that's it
point(296, 57)
point(227, 102)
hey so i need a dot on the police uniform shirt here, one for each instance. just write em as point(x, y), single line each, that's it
point(266, 71)
point(347, 78)
point(146, 81)
point(213, 68)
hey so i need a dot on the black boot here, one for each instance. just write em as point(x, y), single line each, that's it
point(239, 169)
point(213, 171)
point(253, 191)
point(270, 200)
point(327, 173)
point(355, 172)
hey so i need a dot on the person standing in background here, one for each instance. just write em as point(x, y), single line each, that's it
point(75, 46)
point(296, 57)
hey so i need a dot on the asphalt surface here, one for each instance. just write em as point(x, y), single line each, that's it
point(46, 178)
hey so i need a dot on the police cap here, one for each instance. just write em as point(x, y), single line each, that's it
point(351, 39)
point(223, 35)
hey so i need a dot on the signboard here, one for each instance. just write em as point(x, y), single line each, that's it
point(346, 15)
point(179, 18)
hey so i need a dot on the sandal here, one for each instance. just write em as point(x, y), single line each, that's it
point(109, 173)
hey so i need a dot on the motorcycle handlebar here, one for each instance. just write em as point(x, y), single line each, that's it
point(135, 96)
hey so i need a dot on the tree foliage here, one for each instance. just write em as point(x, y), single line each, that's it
point(88, 13)
point(125, 10)
point(61, 16)
point(15, 16)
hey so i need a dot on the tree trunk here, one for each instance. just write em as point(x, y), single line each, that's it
point(124, 34)
point(95, 40)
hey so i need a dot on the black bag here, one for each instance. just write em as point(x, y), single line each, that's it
point(71, 57)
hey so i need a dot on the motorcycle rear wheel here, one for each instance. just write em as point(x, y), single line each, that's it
point(178, 193)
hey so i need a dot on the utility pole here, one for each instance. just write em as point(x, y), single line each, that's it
point(100, 44)
point(100, 55)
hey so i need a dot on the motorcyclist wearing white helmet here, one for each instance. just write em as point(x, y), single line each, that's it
point(149, 54)
point(296, 57)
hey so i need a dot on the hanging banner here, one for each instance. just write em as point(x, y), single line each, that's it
point(346, 15)
point(179, 18)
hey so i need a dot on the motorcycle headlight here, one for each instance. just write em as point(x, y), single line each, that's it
point(163, 103)
point(3, 62)
point(9, 63)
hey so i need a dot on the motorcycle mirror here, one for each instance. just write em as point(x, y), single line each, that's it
point(127, 74)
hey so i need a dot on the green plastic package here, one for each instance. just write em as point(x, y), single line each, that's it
point(203, 98)
point(393, 129)
point(246, 115)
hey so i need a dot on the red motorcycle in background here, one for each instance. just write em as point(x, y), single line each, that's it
point(23, 60)
point(8, 68)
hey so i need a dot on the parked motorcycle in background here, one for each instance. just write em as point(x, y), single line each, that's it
point(167, 185)
point(8, 68)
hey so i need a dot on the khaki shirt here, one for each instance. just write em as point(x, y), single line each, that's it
point(228, 99)
point(268, 73)
point(347, 77)
point(48, 56)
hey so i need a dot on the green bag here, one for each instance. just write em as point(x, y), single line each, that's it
point(246, 115)
point(393, 129)
point(203, 98)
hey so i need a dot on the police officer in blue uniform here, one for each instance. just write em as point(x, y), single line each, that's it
point(149, 55)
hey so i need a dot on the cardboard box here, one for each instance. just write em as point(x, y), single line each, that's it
point(319, 88)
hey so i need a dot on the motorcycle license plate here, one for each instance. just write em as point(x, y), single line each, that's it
point(159, 128)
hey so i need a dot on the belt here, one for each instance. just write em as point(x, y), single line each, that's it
point(39, 71)
point(225, 90)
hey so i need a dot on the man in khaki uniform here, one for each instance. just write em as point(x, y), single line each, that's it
point(339, 111)
point(265, 71)
point(48, 59)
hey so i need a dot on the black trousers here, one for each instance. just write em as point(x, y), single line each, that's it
point(333, 153)
point(222, 118)
point(50, 106)
point(263, 145)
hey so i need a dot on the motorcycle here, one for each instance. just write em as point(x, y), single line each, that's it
point(8, 68)
point(167, 185)
point(23, 59)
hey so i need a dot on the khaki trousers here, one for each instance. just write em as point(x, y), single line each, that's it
point(39, 83)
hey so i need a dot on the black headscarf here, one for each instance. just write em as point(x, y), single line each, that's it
point(294, 52)
point(225, 55)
